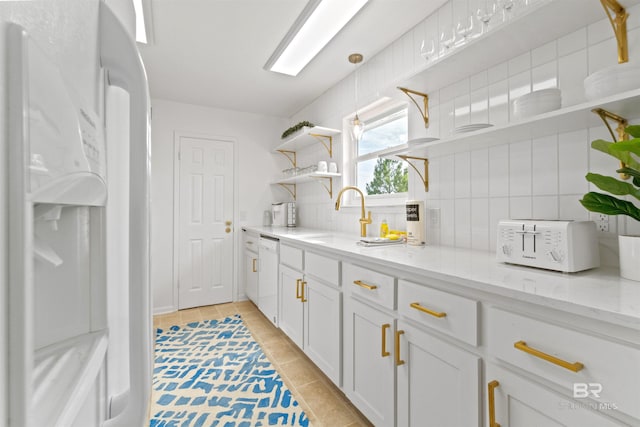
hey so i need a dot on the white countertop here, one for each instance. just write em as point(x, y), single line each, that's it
point(599, 293)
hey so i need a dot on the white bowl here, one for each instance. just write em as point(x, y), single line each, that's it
point(612, 80)
point(537, 102)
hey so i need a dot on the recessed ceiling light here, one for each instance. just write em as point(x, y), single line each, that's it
point(318, 23)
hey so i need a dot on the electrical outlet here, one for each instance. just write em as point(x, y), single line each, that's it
point(602, 222)
point(434, 217)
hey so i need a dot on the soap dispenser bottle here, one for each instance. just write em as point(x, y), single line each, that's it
point(384, 228)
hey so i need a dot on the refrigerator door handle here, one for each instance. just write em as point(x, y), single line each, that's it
point(120, 58)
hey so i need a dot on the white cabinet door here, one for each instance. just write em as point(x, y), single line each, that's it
point(323, 327)
point(369, 361)
point(438, 383)
point(291, 306)
point(251, 275)
point(523, 403)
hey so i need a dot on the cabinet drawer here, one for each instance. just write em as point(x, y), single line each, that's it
point(609, 373)
point(250, 241)
point(291, 256)
point(322, 267)
point(450, 314)
point(373, 286)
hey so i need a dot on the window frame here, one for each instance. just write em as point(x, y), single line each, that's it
point(373, 114)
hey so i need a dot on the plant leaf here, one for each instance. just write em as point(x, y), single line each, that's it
point(631, 172)
point(609, 205)
point(632, 145)
point(624, 156)
point(633, 130)
point(613, 186)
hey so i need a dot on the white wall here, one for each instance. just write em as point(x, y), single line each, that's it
point(253, 134)
point(542, 178)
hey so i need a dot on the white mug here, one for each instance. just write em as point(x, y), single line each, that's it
point(322, 166)
point(333, 167)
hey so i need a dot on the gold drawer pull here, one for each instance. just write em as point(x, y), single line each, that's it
point(364, 285)
point(418, 307)
point(254, 269)
point(298, 296)
point(385, 353)
point(522, 346)
point(398, 360)
point(492, 403)
point(302, 285)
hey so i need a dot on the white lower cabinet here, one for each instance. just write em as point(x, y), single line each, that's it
point(438, 383)
point(251, 275)
point(369, 369)
point(513, 401)
point(323, 327)
point(291, 305)
point(310, 313)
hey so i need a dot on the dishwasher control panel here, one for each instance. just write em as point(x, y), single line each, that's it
point(566, 246)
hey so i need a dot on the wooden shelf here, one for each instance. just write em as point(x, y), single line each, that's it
point(566, 119)
point(539, 23)
point(306, 137)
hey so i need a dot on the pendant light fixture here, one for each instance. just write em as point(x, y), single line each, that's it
point(357, 125)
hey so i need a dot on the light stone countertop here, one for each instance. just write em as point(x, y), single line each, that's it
point(599, 293)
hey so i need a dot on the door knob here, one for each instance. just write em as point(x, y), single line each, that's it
point(227, 223)
point(227, 230)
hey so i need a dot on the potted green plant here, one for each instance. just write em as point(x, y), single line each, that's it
point(608, 204)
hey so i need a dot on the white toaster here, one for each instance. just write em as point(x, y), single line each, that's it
point(566, 246)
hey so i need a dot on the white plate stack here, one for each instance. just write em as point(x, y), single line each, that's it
point(472, 127)
point(536, 102)
point(612, 80)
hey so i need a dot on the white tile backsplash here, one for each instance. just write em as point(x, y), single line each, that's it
point(520, 178)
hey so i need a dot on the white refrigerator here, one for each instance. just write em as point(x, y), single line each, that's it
point(76, 336)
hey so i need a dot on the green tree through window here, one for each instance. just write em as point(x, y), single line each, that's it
point(389, 176)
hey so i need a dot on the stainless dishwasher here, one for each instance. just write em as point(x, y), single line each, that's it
point(268, 256)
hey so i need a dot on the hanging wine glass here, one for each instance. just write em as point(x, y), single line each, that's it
point(485, 13)
point(427, 49)
point(447, 38)
point(464, 29)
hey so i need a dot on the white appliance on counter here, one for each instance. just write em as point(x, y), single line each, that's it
point(284, 214)
point(567, 246)
point(269, 258)
point(79, 334)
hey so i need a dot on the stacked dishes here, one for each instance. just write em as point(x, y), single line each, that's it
point(612, 80)
point(536, 102)
point(472, 127)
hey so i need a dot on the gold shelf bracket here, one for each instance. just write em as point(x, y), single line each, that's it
point(326, 141)
point(618, 17)
point(328, 187)
point(424, 174)
point(291, 188)
point(290, 155)
point(622, 134)
point(424, 110)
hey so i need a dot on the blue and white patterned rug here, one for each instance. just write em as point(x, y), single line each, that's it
point(214, 374)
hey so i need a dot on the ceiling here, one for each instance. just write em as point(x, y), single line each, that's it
point(211, 52)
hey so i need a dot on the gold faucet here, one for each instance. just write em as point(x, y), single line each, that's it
point(363, 219)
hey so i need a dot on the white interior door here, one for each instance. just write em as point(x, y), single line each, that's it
point(205, 230)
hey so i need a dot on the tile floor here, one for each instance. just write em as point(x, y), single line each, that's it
point(323, 402)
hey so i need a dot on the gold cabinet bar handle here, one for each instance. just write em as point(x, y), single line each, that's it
point(398, 360)
point(492, 403)
point(302, 297)
point(385, 353)
point(254, 268)
point(364, 285)
point(574, 367)
point(298, 296)
point(418, 307)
